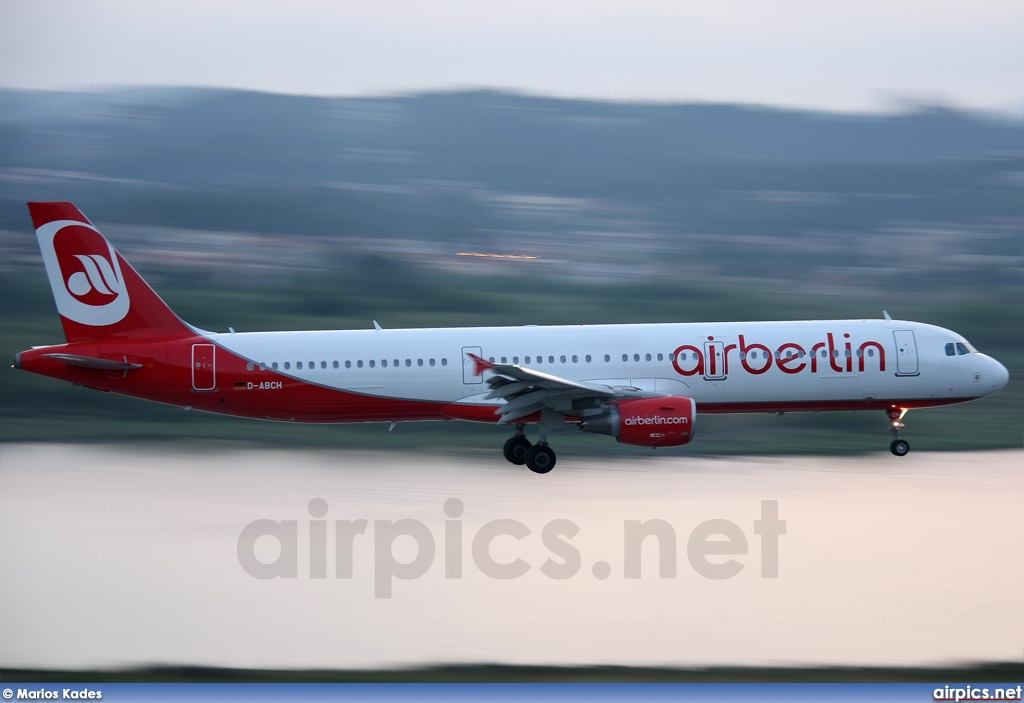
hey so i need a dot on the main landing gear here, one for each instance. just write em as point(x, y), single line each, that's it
point(899, 447)
point(539, 458)
point(517, 447)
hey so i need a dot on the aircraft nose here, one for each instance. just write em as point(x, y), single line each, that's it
point(991, 375)
point(1000, 375)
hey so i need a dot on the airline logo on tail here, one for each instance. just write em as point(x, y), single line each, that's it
point(84, 273)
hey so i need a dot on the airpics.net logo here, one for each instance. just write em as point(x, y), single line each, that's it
point(270, 549)
point(84, 273)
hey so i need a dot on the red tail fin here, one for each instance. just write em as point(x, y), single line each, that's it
point(98, 294)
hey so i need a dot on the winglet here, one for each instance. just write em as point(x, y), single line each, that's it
point(480, 365)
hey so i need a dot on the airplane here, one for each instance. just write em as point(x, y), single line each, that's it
point(643, 384)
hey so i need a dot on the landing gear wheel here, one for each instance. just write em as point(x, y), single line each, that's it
point(540, 459)
point(516, 448)
point(899, 447)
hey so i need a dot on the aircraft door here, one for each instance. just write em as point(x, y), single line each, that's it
point(906, 353)
point(714, 361)
point(204, 367)
point(469, 375)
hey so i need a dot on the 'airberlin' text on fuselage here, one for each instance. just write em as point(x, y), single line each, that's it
point(790, 357)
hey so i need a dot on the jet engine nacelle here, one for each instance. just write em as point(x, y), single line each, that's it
point(647, 422)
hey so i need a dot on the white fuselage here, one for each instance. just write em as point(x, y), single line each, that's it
point(724, 367)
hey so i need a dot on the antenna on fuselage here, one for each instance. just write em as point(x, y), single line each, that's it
point(376, 325)
point(886, 313)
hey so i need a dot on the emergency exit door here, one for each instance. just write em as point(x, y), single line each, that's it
point(204, 367)
point(469, 374)
point(714, 361)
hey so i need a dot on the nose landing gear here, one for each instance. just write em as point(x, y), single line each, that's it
point(899, 447)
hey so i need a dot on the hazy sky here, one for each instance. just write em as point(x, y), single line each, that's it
point(840, 54)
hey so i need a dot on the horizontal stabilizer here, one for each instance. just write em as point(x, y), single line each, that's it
point(88, 362)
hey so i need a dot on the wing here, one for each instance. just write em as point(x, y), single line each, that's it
point(526, 391)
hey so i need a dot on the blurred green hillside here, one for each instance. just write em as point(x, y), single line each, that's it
point(268, 212)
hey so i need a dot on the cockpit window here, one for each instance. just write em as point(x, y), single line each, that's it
point(959, 349)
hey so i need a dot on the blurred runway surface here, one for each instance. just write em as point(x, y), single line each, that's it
point(127, 555)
